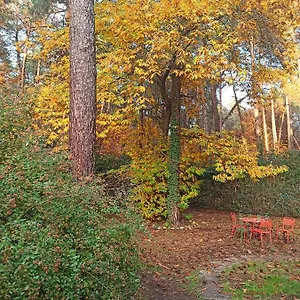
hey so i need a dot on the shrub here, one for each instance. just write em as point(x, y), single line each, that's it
point(59, 238)
point(107, 162)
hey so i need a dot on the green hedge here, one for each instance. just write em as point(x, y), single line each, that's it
point(270, 196)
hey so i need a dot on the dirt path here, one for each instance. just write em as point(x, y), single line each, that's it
point(186, 263)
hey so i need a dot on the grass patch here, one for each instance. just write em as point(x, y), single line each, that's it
point(263, 280)
point(193, 284)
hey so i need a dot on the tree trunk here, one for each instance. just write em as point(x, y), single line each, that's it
point(255, 100)
point(257, 129)
point(23, 69)
point(167, 109)
point(288, 123)
point(174, 153)
point(82, 131)
point(38, 71)
point(214, 104)
point(266, 140)
point(274, 132)
point(239, 111)
point(280, 128)
point(221, 109)
point(18, 56)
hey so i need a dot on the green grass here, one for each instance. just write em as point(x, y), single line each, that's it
point(263, 280)
point(194, 285)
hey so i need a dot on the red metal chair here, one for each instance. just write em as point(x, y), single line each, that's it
point(287, 229)
point(237, 226)
point(264, 228)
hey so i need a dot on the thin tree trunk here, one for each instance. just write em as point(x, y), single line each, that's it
point(266, 140)
point(281, 126)
point(23, 70)
point(18, 55)
point(82, 132)
point(38, 71)
point(274, 132)
point(296, 142)
point(239, 111)
point(288, 124)
point(257, 128)
point(214, 104)
point(255, 100)
point(221, 109)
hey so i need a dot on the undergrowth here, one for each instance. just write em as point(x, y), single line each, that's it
point(60, 239)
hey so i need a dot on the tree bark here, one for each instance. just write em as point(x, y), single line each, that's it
point(280, 128)
point(221, 109)
point(23, 69)
point(174, 153)
point(82, 131)
point(288, 123)
point(167, 109)
point(214, 104)
point(274, 131)
point(266, 140)
point(239, 111)
point(255, 100)
point(38, 71)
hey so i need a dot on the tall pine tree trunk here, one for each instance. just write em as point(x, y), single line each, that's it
point(82, 131)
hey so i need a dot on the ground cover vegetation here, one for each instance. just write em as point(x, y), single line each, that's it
point(263, 280)
point(59, 238)
point(162, 135)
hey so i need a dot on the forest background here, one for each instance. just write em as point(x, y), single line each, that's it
point(164, 139)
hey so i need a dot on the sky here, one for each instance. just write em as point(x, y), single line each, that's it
point(228, 97)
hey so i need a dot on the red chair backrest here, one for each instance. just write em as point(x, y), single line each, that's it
point(265, 224)
point(288, 222)
point(233, 217)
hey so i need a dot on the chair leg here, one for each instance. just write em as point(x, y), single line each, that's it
point(233, 231)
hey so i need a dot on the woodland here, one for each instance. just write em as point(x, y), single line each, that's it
point(114, 116)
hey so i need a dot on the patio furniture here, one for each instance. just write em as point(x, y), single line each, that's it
point(264, 228)
point(253, 222)
point(237, 226)
point(287, 229)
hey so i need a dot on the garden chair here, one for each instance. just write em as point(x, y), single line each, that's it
point(264, 228)
point(287, 229)
point(237, 226)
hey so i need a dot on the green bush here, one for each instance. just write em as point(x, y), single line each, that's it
point(61, 239)
point(107, 162)
point(278, 195)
